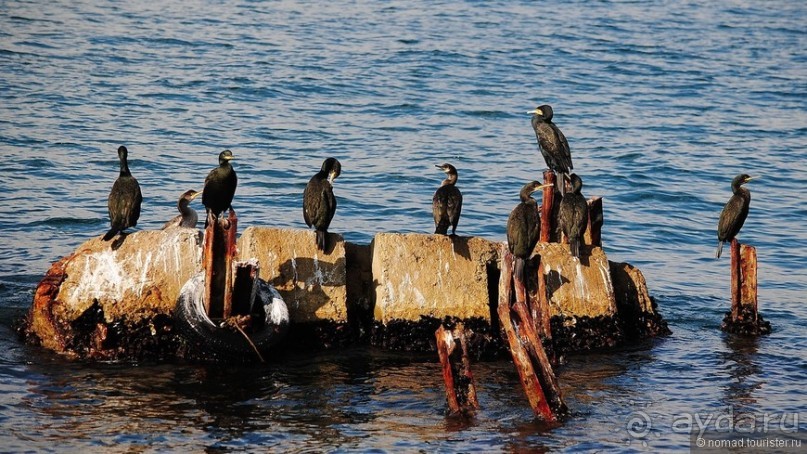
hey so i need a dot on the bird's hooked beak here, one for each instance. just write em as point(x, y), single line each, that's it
point(195, 195)
point(535, 112)
point(229, 158)
point(749, 179)
point(536, 188)
point(331, 176)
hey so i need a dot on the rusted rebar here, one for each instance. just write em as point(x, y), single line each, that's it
point(736, 279)
point(229, 228)
point(748, 278)
point(218, 255)
point(547, 205)
point(521, 358)
point(456, 367)
point(532, 342)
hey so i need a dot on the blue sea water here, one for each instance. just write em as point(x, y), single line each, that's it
point(663, 103)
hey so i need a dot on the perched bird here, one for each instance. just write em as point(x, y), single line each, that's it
point(734, 213)
point(187, 216)
point(552, 143)
point(319, 203)
point(524, 226)
point(220, 184)
point(124, 199)
point(573, 215)
point(447, 202)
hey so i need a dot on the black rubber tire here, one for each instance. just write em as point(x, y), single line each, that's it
point(224, 343)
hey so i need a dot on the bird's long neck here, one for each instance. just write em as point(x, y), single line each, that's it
point(184, 206)
point(451, 179)
point(124, 167)
point(526, 196)
point(742, 192)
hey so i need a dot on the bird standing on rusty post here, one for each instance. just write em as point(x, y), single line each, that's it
point(187, 216)
point(220, 185)
point(447, 202)
point(319, 203)
point(553, 144)
point(524, 227)
point(124, 199)
point(734, 213)
point(573, 215)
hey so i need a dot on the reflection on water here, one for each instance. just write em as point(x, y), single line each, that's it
point(744, 370)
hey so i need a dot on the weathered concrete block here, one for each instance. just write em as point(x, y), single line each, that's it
point(431, 275)
point(578, 287)
point(136, 276)
point(311, 282)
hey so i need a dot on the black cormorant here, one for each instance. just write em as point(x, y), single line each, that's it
point(187, 216)
point(734, 213)
point(319, 203)
point(220, 184)
point(124, 199)
point(524, 226)
point(447, 202)
point(553, 144)
point(573, 215)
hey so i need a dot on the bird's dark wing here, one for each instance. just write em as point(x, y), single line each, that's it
point(545, 142)
point(330, 204)
point(310, 202)
point(513, 233)
point(454, 207)
point(440, 206)
point(138, 201)
point(732, 218)
point(564, 155)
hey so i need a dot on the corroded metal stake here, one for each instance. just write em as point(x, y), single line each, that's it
point(547, 206)
point(743, 279)
point(536, 393)
point(219, 252)
point(736, 280)
point(748, 276)
point(456, 366)
point(541, 306)
point(230, 226)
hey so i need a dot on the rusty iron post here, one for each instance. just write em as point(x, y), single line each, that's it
point(218, 255)
point(229, 228)
point(521, 359)
point(460, 388)
point(547, 204)
point(543, 316)
point(208, 263)
point(531, 340)
point(736, 280)
point(748, 278)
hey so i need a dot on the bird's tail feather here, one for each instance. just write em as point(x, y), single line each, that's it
point(719, 249)
point(518, 269)
point(321, 239)
point(560, 182)
point(110, 234)
point(574, 247)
